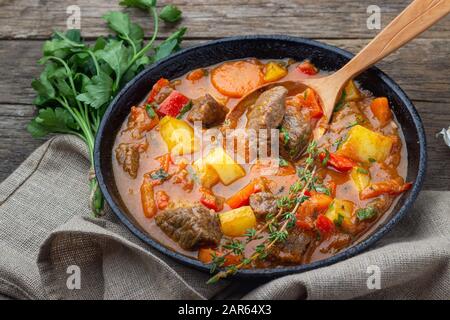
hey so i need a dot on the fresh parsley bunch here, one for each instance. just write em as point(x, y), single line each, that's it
point(80, 80)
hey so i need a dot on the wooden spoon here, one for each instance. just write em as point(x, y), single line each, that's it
point(416, 18)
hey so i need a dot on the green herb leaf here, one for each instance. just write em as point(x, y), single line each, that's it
point(121, 24)
point(185, 109)
point(285, 134)
point(341, 103)
point(159, 175)
point(366, 213)
point(322, 189)
point(352, 124)
point(338, 221)
point(170, 45)
point(282, 162)
point(52, 120)
point(150, 110)
point(140, 4)
point(372, 160)
point(116, 55)
point(326, 158)
point(118, 21)
point(170, 13)
point(98, 92)
point(362, 170)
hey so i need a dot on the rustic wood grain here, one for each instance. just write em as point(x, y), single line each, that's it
point(210, 19)
point(421, 68)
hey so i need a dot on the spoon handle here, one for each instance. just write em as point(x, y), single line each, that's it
point(415, 19)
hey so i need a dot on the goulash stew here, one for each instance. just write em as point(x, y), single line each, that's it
point(209, 201)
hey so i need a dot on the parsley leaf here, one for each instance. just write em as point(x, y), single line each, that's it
point(170, 45)
point(285, 134)
point(159, 174)
point(121, 24)
point(186, 108)
point(140, 4)
point(170, 13)
point(98, 91)
point(283, 163)
point(366, 213)
point(117, 56)
point(362, 170)
point(150, 110)
point(52, 120)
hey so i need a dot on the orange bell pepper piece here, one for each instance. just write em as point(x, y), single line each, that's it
point(391, 187)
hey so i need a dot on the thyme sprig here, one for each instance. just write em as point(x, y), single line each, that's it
point(277, 225)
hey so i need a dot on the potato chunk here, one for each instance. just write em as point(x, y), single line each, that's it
point(227, 169)
point(234, 223)
point(207, 175)
point(340, 212)
point(360, 177)
point(365, 145)
point(351, 92)
point(178, 135)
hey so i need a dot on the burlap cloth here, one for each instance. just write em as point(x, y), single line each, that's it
point(45, 227)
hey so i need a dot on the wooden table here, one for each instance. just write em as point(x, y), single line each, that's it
point(422, 68)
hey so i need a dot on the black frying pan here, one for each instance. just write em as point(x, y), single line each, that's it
point(325, 57)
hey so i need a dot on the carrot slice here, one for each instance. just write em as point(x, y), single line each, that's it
point(149, 206)
point(237, 78)
point(195, 75)
point(241, 198)
point(380, 109)
point(310, 100)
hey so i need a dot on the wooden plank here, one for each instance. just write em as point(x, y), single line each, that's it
point(16, 144)
point(211, 19)
point(422, 78)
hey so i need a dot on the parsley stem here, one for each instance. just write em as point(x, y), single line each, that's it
point(94, 59)
point(154, 13)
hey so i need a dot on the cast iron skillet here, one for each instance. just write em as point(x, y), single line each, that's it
point(325, 57)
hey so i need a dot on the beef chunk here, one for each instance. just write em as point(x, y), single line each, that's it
point(139, 122)
point(207, 110)
point(263, 203)
point(190, 226)
point(268, 110)
point(292, 250)
point(296, 131)
point(127, 154)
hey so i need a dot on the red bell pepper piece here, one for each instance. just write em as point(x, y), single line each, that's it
point(308, 68)
point(173, 104)
point(338, 162)
point(161, 83)
point(317, 203)
point(211, 201)
point(324, 225)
